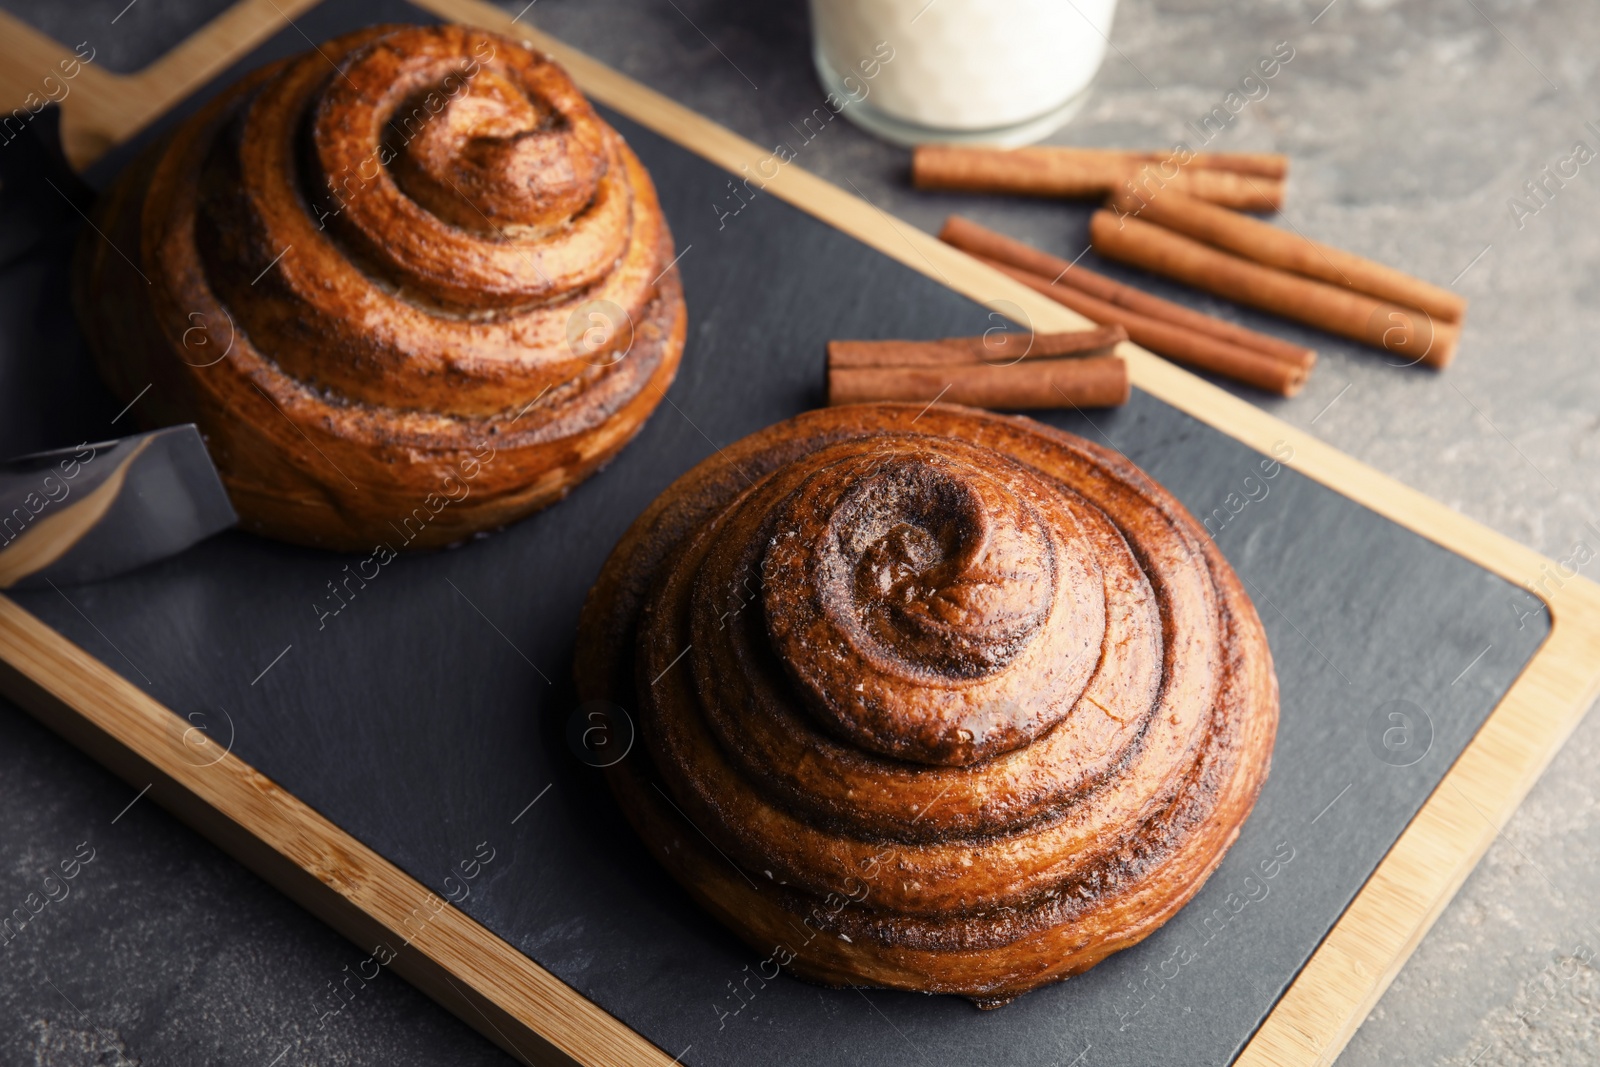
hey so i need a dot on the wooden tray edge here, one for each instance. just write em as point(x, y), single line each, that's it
point(485, 981)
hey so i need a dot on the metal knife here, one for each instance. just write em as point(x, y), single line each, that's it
point(102, 508)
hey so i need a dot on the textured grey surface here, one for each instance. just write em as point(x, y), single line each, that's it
point(1410, 125)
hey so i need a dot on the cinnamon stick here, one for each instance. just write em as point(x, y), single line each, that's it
point(1269, 245)
point(1408, 332)
point(1071, 172)
point(1259, 164)
point(995, 348)
point(971, 237)
point(1197, 350)
point(1090, 382)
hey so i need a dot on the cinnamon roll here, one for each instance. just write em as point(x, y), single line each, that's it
point(935, 699)
point(409, 284)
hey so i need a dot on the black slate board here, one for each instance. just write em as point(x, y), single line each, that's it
point(428, 714)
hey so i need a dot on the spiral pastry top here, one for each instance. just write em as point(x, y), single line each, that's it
point(409, 284)
point(935, 700)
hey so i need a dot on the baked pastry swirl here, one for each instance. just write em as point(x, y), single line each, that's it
point(409, 284)
point(930, 699)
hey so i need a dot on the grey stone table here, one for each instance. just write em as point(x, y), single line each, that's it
point(1412, 127)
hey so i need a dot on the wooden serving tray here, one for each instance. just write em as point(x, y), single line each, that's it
point(402, 768)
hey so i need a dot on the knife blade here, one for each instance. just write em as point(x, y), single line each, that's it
point(86, 513)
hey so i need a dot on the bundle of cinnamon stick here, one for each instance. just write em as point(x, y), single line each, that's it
point(1172, 330)
point(1170, 214)
point(1255, 263)
point(1001, 369)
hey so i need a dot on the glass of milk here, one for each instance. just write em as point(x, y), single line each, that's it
point(1003, 72)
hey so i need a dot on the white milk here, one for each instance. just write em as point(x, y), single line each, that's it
point(1003, 72)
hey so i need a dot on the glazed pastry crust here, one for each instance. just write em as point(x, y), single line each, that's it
point(931, 699)
point(406, 300)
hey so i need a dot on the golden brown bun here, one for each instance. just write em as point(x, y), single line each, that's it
point(930, 699)
point(409, 285)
